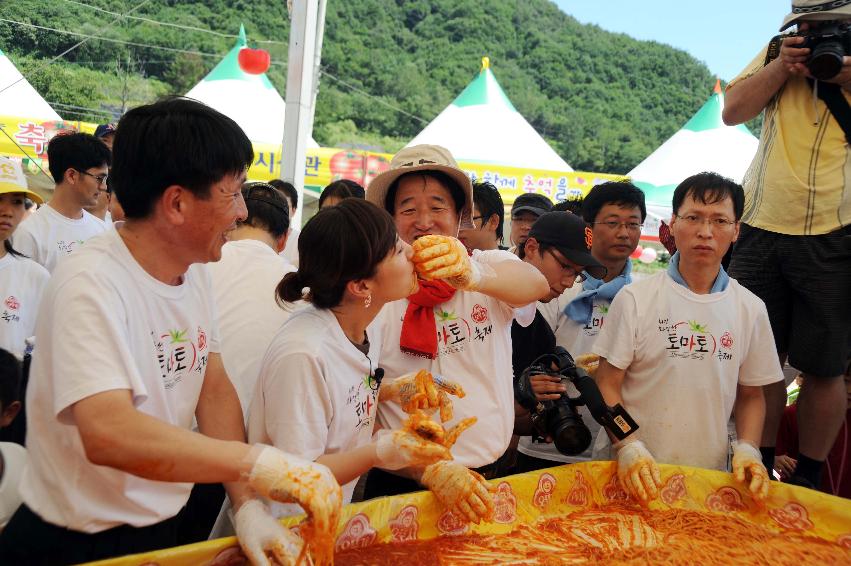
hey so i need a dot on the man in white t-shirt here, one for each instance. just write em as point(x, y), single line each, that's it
point(79, 164)
point(615, 211)
point(290, 251)
point(244, 283)
point(463, 335)
point(683, 349)
point(128, 355)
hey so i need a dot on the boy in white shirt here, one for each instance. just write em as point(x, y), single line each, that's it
point(129, 356)
point(684, 348)
point(460, 330)
point(79, 164)
point(615, 212)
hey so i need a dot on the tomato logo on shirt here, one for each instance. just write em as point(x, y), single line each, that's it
point(178, 356)
point(12, 303)
point(726, 340)
point(202, 339)
point(479, 314)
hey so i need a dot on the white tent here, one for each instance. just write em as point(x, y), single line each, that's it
point(482, 126)
point(250, 100)
point(21, 99)
point(704, 143)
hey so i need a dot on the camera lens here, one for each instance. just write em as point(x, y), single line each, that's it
point(569, 433)
point(825, 61)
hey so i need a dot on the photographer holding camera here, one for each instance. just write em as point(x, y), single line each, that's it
point(559, 246)
point(793, 250)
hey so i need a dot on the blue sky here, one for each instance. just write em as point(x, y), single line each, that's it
point(724, 34)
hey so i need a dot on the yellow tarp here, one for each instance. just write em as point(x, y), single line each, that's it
point(527, 497)
point(27, 139)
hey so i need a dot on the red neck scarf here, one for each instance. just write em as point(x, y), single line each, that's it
point(419, 330)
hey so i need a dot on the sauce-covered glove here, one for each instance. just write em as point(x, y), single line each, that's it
point(446, 258)
point(263, 538)
point(638, 473)
point(422, 391)
point(401, 449)
point(462, 491)
point(289, 479)
point(748, 468)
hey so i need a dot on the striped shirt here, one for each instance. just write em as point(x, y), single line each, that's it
point(800, 180)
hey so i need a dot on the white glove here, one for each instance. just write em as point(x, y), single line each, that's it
point(422, 391)
point(462, 491)
point(747, 465)
point(287, 478)
point(637, 470)
point(445, 257)
point(400, 449)
point(262, 537)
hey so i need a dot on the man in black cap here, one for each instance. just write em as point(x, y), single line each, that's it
point(525, 211)
point(106, 133)
point(559, 246)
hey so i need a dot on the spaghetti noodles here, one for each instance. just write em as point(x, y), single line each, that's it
point(614, 535)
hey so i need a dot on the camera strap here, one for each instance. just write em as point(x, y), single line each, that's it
point(837, 104)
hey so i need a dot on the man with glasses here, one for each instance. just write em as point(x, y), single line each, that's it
point(79, 164)
point(488, 215)
point(559, 246)
point(527, 208)
point(615, 211)
point(683, 349)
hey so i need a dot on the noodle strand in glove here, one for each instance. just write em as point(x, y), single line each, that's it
point(748, 468)
point(287, 478)
point(263, 538)
point(460, 490)
point(446, 258)
point(638, 473)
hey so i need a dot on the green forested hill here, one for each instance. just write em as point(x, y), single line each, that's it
point(603, 100)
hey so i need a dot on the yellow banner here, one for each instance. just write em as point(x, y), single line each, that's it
point(27, 139)
point(526, 498)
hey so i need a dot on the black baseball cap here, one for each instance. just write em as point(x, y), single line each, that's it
point(570, 235)
point(104, 130)
point(531, 202)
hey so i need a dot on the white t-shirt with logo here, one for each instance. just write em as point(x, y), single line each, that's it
point(46, 236)
point(106, 324)
point(244, 283)
point(684, 355)
point(314, 395)
point(22, 282)
point(474, 350)
point(14, 465)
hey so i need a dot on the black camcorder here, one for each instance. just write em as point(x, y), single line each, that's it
point(560, 419)
point(828, 44)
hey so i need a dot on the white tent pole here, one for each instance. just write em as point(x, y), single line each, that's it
point(298, 97)
point(317, 60)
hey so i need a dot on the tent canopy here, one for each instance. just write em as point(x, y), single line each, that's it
point(482, 126)
point(704, 143)
point(21, 99)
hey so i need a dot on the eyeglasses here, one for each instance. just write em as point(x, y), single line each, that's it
point(614, 225)
point(568, 270)
point(693, 220)
point(101, 179)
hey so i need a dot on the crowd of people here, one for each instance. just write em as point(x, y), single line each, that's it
point(177, 360)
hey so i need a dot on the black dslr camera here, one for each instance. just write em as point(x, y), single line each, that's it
point(560, 419)
point(828, 44)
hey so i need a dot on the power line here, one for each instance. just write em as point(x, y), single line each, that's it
point(73, 47)
point(120, 41)
point(169, 24)
point(376, 98)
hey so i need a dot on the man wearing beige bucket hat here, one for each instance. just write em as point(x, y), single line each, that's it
point(22, 280)
point(793, 250)
point(458, 326)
